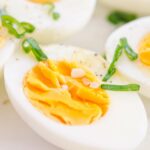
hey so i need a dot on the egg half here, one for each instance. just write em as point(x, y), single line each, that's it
point(123, 126)
point(137, 6)
point(54, 19)
point(7, 47)
point(138, 36)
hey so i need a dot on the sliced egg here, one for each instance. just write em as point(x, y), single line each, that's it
point(123, 126)
point(138, 36)
point(7, 47)
point(54, 19)
point(137, 6)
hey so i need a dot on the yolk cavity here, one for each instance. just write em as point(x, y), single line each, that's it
point(144, 50)
point(43, 1)
point(57, 90)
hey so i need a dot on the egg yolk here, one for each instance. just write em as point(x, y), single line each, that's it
point(144, 50)
point(66, 92)
point(43, 1)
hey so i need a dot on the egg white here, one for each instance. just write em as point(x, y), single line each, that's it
point(74, 15)
point(6, 50)
point(123, 127)
point(134, 71)
point(136, 6)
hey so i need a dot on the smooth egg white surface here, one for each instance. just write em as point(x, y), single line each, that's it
point(134, 71)
point(6, 50)
point(74, 15)
point(137, 6)
point(123, 127)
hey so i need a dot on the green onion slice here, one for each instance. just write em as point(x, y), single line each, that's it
point(128, 87)
point(56, 15)
point(119, 17)
point(128, 50)
point(28, 27)
point(51, 7)
point(16, 28)
point(112, 69)
point(29, 45)
point(2, 12)
point(51, 12)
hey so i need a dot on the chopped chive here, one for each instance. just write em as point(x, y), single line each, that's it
point(16, 28)
point(112, 69)
point(28, 27)
point(51, 11)
point(128, 50)
point(30, 44)
point(56, 15)
point(51, 7)
point(2, 12)
point(104, 56)
point(128, 87)
point(119, 17)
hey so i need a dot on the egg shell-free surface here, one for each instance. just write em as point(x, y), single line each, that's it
point(134, 71)
point(74, 15)
point(136, 6)
point(124, 126)
point(6, 51)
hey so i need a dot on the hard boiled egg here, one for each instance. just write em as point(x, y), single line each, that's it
point(123, 126)
point(54, 19)
point(138, 36)
point(7, 46)
point(137, 6)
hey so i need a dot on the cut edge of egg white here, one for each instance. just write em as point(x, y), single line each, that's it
point(123, 127)
point(7, 47)
point(136, 71)
point(74, 15)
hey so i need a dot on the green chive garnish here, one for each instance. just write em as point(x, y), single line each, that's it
point(2, 12)
point(52, 13)
point(119, 17)
point(112, 68)
point(28, 27)
point(16, 28)
point(31, 45)
point(122, 46)
point(129, 87)
point(55, 15)
point(128, 50)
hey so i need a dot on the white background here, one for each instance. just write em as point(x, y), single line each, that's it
point(15, 134)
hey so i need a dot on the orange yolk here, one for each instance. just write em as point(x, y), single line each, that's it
point(51, 88)
point(43, 1)
point(144, 50)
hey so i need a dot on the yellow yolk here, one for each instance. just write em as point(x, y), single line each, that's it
point(52, 90)
point(43, 1)
point(144, 50)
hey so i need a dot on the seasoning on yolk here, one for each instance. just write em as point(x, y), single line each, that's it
point(43, 1)
point(53, 91)
point(144, 50)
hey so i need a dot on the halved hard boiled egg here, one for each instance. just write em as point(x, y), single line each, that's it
point(138, 6)
point(7, 46)
point(61, 100)
point(137, 34)
point(54, 19)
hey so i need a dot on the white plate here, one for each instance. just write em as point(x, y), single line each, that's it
point(14, 133)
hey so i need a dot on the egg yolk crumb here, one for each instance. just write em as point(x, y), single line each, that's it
point(59, 89)
point(43, 1)
point(144, 50)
